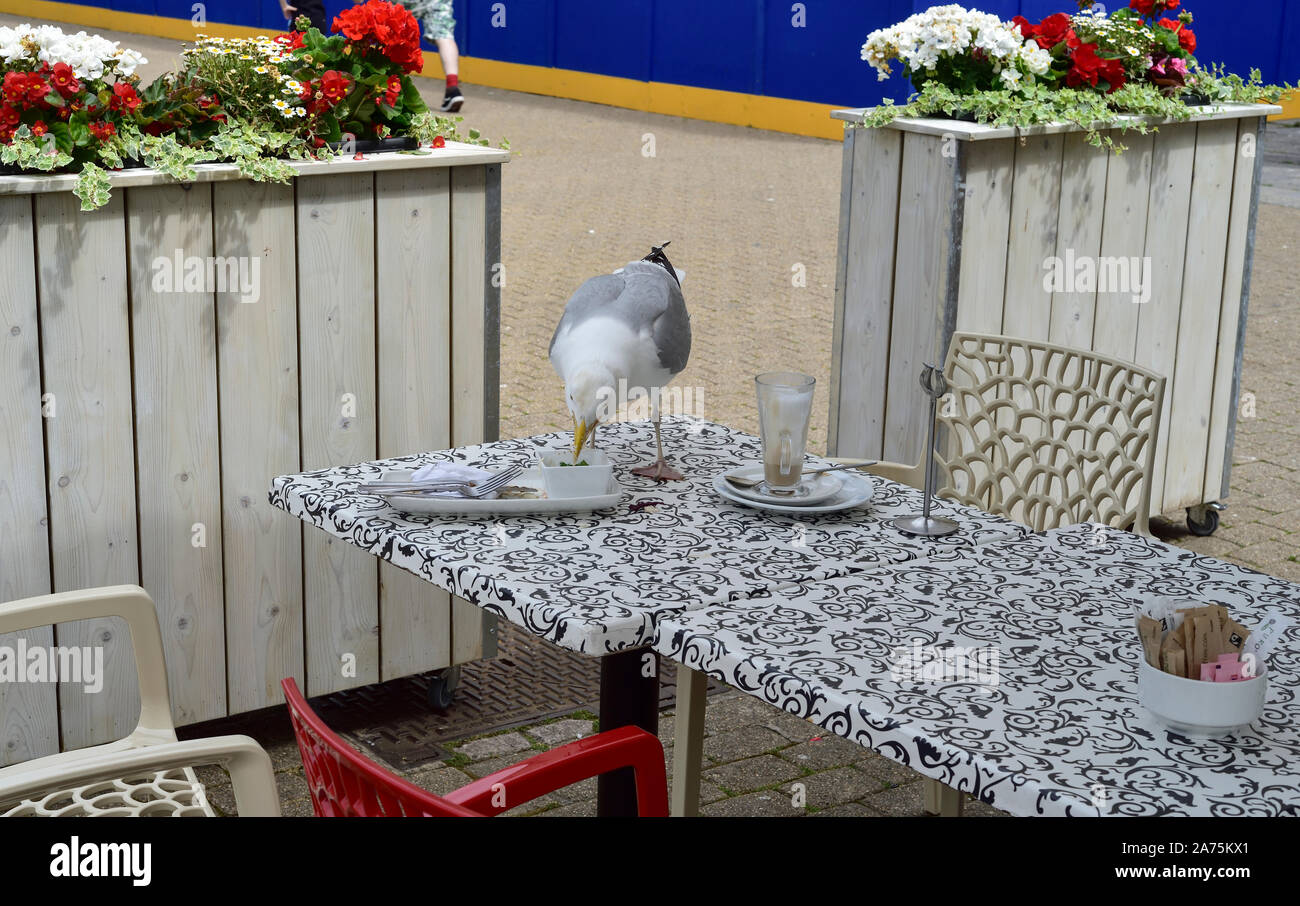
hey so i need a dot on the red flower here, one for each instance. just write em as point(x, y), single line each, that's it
point(39, 128)
point(387, 26)
point(291, 41)
point(1186, 37)
point(14, 87)
point(103, 130)
point(8, 117)
point(334, 86)
point(1151, 8)
point(124, 98)
point(394, 89)
point(439, 142)
point(1088, 67)
point(37, 89)
point(24, 88)
point(64, 80)
point(1053, 30)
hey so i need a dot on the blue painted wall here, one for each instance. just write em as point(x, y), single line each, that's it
point(754, 46)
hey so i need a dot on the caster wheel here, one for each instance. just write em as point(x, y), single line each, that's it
point(442, 689)
point(1202, 520)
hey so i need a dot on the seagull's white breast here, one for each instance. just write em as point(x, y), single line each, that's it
point(628, 354)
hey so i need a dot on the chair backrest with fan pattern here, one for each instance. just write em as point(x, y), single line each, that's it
point(1048, 435)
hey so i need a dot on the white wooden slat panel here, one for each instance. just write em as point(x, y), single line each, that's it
point(985, 226)
point(867, 293)
point(841, 279)
point(469, 276)
point(1035, 218)
point(85, 341)
point(1172, 159)
point(177, 446)
point(336, 319)
point(1123, 235)
point(1192, 390)
point(1223, 407)
point(413, 211)
point(925, 219)
point(1082, 206)
point(29, 719)
point(257, 348)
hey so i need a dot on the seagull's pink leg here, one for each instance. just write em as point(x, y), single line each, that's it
point(659, 470)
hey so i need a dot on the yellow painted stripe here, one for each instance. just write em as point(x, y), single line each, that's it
point(1290, 108)
point(758, 111)
point(136, 23)
point(776, 114)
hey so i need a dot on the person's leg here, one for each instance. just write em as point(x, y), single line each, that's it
point(450, 55)
point(440, 27)
point(452, 99)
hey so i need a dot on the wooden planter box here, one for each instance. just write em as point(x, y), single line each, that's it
point(948, 225)
point(141, 426)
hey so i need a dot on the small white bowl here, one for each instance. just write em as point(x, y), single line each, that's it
point(1199, 707)
point(562, 481)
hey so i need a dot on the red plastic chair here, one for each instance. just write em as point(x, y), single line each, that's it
point(345, 784)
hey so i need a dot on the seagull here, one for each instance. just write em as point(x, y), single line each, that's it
point(630, 326)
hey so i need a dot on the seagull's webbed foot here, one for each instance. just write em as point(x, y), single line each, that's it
point(659, 470)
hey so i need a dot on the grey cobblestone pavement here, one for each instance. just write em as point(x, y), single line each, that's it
point(745, 210)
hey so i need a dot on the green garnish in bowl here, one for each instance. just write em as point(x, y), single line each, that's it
point(582, 463)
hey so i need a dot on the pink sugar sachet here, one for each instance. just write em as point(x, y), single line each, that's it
point(1227, 669)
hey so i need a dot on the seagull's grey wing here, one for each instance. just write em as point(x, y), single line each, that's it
point(672, 331)
point(653, 302)
point(593, 297)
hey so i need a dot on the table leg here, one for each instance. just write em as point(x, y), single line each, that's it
point(688, 748)
point(943, 800)
point(629, 694)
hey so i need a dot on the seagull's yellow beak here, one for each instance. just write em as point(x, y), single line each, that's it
point(581, 433)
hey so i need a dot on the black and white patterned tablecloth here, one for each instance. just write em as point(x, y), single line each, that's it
point(1061, 732)
point(596, 582)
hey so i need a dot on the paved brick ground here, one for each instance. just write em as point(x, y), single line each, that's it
point(745, 210)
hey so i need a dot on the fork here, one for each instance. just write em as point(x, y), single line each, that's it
point(470, 489)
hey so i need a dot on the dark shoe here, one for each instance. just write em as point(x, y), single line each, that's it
point(452, 100)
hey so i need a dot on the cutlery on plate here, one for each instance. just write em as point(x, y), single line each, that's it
point(464, 488)
point(739, 482)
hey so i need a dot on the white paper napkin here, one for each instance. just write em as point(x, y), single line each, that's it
point(451, 471)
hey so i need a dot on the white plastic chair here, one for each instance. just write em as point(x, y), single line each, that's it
point(148, 772)
point(1044, 434)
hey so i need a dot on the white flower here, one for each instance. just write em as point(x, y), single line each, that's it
point(921, 40)
point(128, 60)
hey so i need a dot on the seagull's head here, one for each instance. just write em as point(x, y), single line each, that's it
point(588, 392)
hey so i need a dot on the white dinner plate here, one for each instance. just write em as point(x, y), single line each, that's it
point(855, 490)
point(467, 506)
point(817, 488)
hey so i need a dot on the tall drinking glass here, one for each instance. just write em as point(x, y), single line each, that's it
point(784, 410)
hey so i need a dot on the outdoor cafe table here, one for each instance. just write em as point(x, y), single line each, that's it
point(1061, 731)
point(596, 583)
